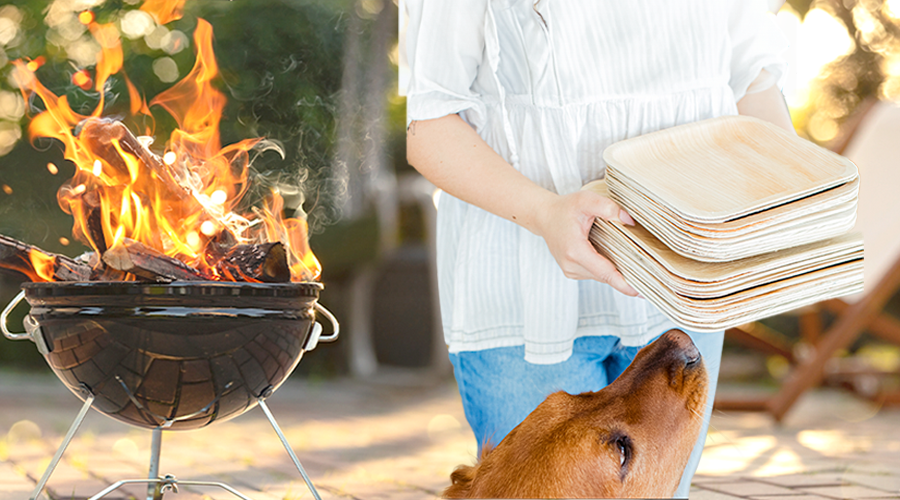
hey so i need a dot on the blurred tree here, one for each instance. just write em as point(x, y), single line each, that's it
point(279, 65)
point(800, 6)
point(848, 85)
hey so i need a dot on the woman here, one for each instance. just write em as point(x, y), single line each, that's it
point(510, 106)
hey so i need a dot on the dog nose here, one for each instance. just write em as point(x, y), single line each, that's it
point(683, 345)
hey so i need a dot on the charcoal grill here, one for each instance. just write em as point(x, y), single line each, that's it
point(174, 356)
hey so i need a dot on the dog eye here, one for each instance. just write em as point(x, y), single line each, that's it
point(623, 444)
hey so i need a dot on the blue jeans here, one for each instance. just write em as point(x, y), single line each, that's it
point(499, 388)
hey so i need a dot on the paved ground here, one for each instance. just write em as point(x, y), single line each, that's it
point(399, 437)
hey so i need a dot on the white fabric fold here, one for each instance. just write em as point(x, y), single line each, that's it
point(550, 303)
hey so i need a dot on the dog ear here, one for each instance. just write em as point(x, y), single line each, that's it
point(486, 447)
point(461, 482)
point(463, 476)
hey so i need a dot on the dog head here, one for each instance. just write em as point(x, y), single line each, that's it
point(630, 439)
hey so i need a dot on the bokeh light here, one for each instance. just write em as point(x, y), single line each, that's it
point(174, 42)
point(891, 9)
point(83, 52)
point(165, 69)
point(218, 197)
point(154, 39)
point(82, 79)
point(10, 20)
point(822, 39)
point(844, 56)
point(136, 24)
point(23, 431)
point(8, 30)
point(10, 133)
point(12, 106)
point(86, 17)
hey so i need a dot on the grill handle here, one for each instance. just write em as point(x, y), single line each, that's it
point(334, 324)
point(315, 336)
point(3, 317)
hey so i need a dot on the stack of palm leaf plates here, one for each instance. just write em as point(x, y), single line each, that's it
point(732, 187)
point(737, 221)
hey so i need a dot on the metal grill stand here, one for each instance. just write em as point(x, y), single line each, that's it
point(158, 486)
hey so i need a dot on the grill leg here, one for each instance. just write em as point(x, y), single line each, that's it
point(88, 401)
point(287, 446)
point(154, 492)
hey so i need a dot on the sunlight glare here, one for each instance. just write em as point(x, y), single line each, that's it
point(782, 461)
point(891, 8)
point(733, 456)
point(821, 39)
point(440, 424)
point(832, 442)
point(126, 447)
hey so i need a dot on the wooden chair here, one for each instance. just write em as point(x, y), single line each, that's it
point(874, 147)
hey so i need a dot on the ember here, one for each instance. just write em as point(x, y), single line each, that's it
point(163, 216)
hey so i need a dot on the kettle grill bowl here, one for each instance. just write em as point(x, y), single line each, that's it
point(180, 355)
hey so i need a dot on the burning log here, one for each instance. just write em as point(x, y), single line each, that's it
point(133, 257)
point(111, 141)
point(106, 273)
point(266, 262)
point(100, 271)
point(20, 258)
point(100, 133)
point(94, 221)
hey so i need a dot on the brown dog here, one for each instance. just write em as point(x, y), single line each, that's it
point(631, 439)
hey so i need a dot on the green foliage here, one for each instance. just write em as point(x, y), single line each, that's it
point(280, 68)
point(280, 64)
point(850, 83)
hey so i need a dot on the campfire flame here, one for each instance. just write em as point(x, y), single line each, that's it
point(164, 11)
point(181, 203)
point(43, 266)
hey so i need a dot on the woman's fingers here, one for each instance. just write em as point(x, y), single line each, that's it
point(592, 265)
point(566, 227)
point(603, 207)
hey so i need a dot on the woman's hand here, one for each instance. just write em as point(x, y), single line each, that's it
point(565, 225)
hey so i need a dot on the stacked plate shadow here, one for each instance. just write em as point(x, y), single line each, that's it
point(737, 220)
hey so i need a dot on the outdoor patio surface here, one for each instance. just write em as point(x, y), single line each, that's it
point(399, 435)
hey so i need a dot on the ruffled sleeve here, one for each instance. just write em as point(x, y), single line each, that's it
point(757, 43)
point(445, 47)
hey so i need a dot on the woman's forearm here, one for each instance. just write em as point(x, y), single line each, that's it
point(450, 154)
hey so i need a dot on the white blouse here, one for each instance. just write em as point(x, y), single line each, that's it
point(549, 85)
